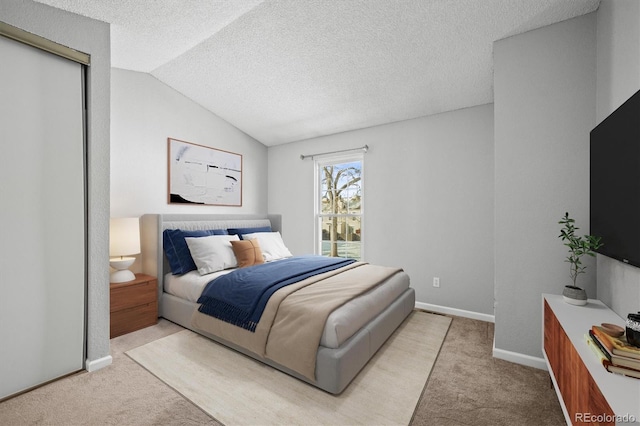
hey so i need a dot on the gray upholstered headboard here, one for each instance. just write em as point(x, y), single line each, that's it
point(152, 225)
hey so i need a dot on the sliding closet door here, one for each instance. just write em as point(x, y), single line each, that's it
point(42, 217)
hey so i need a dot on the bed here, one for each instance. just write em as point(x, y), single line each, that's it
point(353, 332)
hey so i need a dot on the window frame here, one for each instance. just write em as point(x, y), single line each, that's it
point(318, 215)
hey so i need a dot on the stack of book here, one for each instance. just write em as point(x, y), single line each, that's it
point(615, 354)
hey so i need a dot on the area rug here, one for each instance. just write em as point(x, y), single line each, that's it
point(237, 390)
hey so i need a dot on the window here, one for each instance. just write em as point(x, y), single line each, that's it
point(339, 207)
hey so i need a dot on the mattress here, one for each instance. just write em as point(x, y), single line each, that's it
point(341, 324)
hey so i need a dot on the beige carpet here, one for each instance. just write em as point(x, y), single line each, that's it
point(467, 386)
point(235, 389)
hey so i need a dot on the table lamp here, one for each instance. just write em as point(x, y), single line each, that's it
point(124, 240)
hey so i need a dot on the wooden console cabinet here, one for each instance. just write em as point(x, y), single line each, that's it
point(588, 393)
point(134, 304)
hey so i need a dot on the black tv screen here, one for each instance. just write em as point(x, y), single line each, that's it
point(615, 183)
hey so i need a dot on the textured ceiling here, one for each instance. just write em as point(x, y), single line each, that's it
point(287, 70)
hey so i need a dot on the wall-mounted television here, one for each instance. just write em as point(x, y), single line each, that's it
point(615, 183)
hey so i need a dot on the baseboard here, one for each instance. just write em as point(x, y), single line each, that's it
point(518, 358)
point(97, 364)
point(456, 312)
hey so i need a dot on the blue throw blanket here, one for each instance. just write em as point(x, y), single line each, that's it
point(240, 297)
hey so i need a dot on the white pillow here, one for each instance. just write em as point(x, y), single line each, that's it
point(212, 253)
point(271, 244)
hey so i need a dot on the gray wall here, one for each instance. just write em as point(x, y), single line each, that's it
point(144, 112)
point(544, 94)
point(428, 200)
point(441, 168)
point(91, 37)
point(618, 77)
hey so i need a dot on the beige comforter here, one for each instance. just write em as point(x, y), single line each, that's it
point(291, 325)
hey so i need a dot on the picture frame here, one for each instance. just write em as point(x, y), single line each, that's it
point(199, 174)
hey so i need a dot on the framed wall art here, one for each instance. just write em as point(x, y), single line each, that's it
point(200, 174)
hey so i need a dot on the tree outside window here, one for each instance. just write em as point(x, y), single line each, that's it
point(340, 208)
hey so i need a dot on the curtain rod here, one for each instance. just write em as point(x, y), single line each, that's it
point(362, 148)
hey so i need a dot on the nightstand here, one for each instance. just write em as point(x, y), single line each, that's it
point(134, 304)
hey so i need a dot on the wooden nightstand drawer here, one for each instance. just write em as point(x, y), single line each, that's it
point(134, 293)
point(132, 319)
point(134, 304)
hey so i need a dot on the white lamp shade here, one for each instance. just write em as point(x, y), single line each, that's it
point(124, 236)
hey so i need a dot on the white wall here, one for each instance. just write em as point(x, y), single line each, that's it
point(618, 77)
point(544, 94)
point(144, 113)
point(92, 37)
point(428, 200)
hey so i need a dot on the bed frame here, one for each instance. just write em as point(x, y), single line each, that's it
point(335, 368)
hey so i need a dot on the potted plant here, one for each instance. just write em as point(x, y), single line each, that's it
point(578, 247)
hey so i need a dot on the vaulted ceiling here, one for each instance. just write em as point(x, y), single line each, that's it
point(287, 70)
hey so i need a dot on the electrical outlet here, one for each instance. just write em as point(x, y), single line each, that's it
point(436, 282)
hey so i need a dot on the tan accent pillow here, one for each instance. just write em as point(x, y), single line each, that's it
point(247, 252)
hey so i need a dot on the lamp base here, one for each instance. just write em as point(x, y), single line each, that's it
point(122, 276)
point(121, 273)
